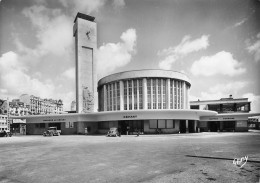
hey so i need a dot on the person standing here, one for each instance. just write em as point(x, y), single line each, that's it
point(119, 132)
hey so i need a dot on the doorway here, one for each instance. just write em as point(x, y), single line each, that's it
point(123, 126)
point(214, 126)
point(182, 126)
point(191, 126)
point(131, 126)
point(229, 126)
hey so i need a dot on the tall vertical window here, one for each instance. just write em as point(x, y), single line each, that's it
point(181, 93)
point(108, 98)
point(149, 105)
point(140, 82)
point(114, 96)
point(178, 90)
point(154, 93)
point(130, 87)
point(171, 94)
point(111, 98)
point(118, 95)
point(135, 94)
point(175, 94)
point(164, 94)
point(159, 94)
point(125, 95)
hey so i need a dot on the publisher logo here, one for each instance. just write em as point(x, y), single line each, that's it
point(240, 162)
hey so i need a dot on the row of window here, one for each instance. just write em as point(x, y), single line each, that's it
point(229, 107)
point(139, 124)
point(162, 123)
point(113, 96)
point(128, 125)
point(156, 94)
point(133, 94)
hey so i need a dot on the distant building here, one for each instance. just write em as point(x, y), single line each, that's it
point(227, 108)
point(3, 109)
point(39, 106)
point(3, 123)
point(25, 106)
point(31, 105)
point(16, 108)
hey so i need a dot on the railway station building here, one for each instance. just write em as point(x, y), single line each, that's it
point(151, 101)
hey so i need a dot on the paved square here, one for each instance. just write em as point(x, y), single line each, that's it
point(202, 157)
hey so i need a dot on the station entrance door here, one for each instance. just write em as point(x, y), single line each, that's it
point(214, 126)
point(131, 126)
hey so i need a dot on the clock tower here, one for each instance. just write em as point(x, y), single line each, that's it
point(85, 33)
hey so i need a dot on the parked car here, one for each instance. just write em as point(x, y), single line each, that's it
point(5, 134)
point(113, 132)
point(52, 131)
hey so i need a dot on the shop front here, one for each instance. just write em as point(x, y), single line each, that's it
point(18, 127)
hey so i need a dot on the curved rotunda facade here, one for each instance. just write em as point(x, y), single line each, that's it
point(144, 90)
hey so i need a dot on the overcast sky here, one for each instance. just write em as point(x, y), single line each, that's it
point(216, 43)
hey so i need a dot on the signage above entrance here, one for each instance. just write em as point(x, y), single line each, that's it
point(233, 117)
point(130, 116)
point(51, 120)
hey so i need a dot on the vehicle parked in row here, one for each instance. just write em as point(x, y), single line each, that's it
point(52, 131)
point(113, 132)
point(5, 134)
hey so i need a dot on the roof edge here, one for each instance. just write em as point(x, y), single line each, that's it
point(84, 16)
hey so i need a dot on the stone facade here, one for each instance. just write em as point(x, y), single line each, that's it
point(85, 31)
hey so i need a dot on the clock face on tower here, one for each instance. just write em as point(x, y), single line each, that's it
point(90, 33)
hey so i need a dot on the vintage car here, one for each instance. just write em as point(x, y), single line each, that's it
point(52, 131)
point(5, 134)
point(113, 132)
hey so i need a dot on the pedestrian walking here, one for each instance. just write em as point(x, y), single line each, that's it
point(138, 133)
